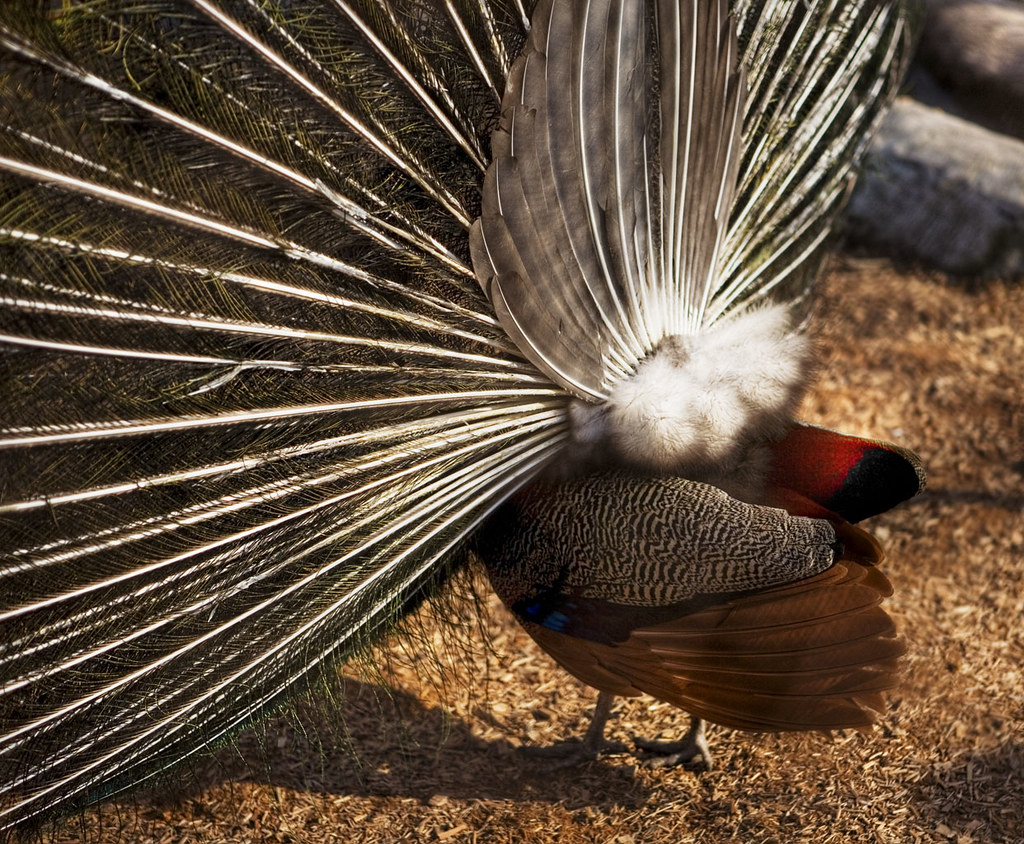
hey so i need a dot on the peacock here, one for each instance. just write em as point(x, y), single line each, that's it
point(308, 304)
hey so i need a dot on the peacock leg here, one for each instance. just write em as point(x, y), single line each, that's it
point(688, 750)
point(566, 754)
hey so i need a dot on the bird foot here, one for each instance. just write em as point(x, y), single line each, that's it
point(573, 752)
point(690, 750)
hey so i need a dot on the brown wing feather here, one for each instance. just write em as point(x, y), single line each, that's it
point(813, 655)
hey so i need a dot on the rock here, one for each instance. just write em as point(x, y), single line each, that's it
point(974, 49)
point(943, 192)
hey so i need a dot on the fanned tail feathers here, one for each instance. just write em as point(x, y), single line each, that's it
point(822, 76)
point(611, 222)
point(598, 238)
point(253, 396)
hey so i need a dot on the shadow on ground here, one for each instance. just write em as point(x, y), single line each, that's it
point(975, 791)
point(371, 741)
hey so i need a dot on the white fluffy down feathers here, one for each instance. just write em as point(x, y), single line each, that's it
point(700, 405)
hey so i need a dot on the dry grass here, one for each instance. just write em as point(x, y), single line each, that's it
point(934, 365)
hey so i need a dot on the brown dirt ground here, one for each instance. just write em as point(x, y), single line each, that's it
point(933, 364)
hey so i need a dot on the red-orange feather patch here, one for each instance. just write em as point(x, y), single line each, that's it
point(851, 477)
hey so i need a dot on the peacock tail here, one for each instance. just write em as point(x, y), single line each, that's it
point(254, 397)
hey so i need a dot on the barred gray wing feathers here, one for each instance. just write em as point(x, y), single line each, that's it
point(745, 615)
point(252, 395)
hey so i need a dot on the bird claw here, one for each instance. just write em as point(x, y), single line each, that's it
point(656, 754)
point(689, 751)
point(573, 752)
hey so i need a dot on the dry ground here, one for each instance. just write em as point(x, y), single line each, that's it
point(934, 364)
